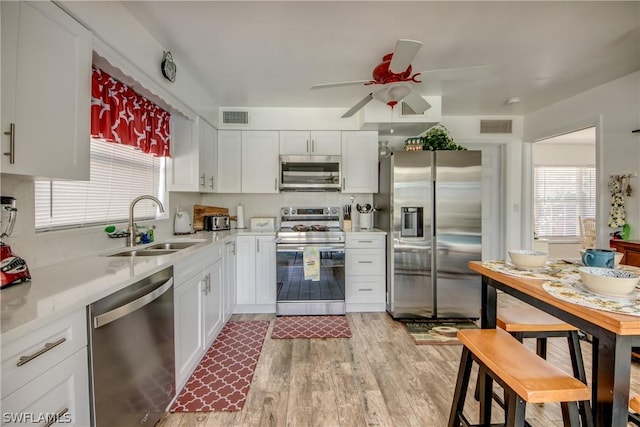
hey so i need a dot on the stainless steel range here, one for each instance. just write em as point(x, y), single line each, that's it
point(310, 262)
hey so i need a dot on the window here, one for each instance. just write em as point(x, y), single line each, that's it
point(560, 196)
point(119, 173)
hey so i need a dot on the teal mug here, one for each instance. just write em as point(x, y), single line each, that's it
point(599, 258)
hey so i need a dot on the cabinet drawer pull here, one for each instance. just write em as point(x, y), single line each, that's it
point(12, 143)
point(365, 262)
point(47, 346)
point(365, 289)
point(57, 418)
point(365, 241)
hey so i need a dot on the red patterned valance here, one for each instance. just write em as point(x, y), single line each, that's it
point(120, 115)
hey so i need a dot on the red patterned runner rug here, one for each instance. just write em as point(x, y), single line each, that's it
point(311, 327)
point(222, 379)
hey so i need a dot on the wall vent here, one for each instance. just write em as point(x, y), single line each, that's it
point(235, 117)
point(495, 126)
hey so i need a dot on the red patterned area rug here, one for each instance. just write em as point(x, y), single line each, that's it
point(221, 381)
point(287, 327)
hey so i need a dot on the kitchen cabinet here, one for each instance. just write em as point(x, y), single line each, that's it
point(212, 301)
point(197, 308)
point(229, 281)
point(360, 162)
point(260, 162)
point(194, 152)
point(310, 143)
point(365, 272)
point(256, 274)
point(208, 157)
point(229, 161)
point(46, 373)
point(630, 249)
point(48, 110)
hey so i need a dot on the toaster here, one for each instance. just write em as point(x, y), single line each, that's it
point(216, 222)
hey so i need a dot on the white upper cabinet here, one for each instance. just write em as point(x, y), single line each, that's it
point(310, 143)
point(260, 162)
point(360, 162)
point(229, 161)
point(46, 92)
point(208, 158)
point(194, 153)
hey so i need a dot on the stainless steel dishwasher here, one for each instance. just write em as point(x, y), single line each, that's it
point(131, 353)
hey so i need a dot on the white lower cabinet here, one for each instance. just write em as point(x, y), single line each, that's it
point(45, 375)
point(256, 274)
point(229, 280)
point(365, 266)
point(197, 308)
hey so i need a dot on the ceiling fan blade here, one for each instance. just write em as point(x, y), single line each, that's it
point(416, 102)
point(326, 85)
point(460, 73)
point(403, 54)
point(364, 101)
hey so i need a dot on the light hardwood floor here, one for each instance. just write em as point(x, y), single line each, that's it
point(379, 377)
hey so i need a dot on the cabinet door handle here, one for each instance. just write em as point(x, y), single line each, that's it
point(211, 179)
point(343, 182)
point(57, 418)
point(365, 262)
point(276, 184)
point(12, 143)
point(203, 180)
point(313, 146)
point(257, 245)
point(365, 289)
point(47, 346)
point(308, 146)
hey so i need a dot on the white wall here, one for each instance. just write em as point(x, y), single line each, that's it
point(614, 108)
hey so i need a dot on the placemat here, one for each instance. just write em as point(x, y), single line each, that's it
point(575, 292)
point(554, 270)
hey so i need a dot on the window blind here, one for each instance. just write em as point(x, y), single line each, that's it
point(118, 175)
point(560, 196)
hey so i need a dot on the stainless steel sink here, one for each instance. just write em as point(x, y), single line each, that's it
point(145, 252)
point(172, 245)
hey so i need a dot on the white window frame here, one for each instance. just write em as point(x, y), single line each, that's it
point(105, 199)
point(568, 229)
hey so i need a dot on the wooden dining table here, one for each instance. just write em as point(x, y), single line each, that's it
point(613, 336)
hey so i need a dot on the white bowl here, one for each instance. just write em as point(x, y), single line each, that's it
point(607, 281)
point(616, 260)
point(523, 258)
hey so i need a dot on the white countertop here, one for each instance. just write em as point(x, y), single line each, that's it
point(57, 290)
point(60, 289)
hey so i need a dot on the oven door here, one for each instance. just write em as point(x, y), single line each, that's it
point(298, 295)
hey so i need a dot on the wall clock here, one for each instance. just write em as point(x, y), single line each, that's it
point(168, 67)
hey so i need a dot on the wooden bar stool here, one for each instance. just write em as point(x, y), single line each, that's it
point(529, 322)
point(525, 377)
point(634, 414)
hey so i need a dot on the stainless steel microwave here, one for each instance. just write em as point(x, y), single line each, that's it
point(310, 173)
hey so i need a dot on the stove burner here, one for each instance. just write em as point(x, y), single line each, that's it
point(313, 227)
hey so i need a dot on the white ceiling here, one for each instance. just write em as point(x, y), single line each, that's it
point(268, 54)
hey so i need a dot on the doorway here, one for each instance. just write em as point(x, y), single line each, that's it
point(563, 191)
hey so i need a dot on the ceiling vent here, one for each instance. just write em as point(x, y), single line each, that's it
point(495, 126)
point(235, 117)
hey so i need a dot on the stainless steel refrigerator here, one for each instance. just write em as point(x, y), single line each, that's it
point(427, 200)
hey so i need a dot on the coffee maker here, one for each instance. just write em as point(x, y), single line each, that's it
point(13, 269)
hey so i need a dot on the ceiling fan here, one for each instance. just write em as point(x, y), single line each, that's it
point(392, 80)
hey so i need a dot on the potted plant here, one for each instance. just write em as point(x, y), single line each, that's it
point(438, 138)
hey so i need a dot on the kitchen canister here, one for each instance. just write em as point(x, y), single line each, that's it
point(240, 215)
point(366, 220)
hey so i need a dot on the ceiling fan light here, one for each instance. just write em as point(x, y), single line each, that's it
point(392, 94)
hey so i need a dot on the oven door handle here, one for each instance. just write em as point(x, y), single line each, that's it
point(300, 248)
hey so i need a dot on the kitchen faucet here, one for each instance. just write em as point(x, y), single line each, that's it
point(133, 230)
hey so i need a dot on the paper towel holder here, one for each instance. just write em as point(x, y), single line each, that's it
point(240, 217)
